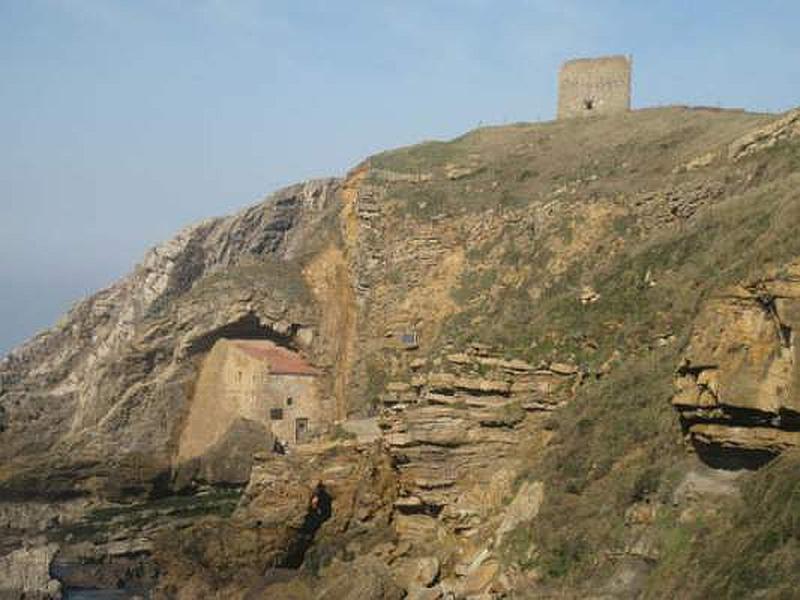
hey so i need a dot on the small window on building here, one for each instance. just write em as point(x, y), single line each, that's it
point(289, 401)
point(409, 340)
point(239, 376)
point(275, 414)
point(588, 104)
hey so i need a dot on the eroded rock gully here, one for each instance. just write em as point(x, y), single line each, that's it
point(737, 388)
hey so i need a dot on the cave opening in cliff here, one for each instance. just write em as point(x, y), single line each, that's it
point(732, 459)
point(249, 327)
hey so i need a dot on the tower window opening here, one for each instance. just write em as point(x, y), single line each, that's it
point(588, 104)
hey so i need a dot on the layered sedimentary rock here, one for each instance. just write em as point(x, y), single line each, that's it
point(479, 378)
point(739, 383)
point(783, 129)
point(466, 297)
point(449, 430)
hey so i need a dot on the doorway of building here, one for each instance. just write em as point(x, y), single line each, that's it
point(300, 430)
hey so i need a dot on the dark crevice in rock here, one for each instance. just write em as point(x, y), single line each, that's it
point(734, 416)
point(161, 485)
point(785, 333)
point(400, 459)
point(425, 509)
point(731, 459)
point(439, 445)
point(788, 420)
point(767, 301)
point(730, 415)
point(478, 393)
point(319, 511)
point(449, 392)
point(502, 422)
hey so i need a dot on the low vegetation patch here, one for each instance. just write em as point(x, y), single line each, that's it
point(104, 521)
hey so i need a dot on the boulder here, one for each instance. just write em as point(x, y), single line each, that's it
point(416, 572)
point(365, 578)
point(479, 579)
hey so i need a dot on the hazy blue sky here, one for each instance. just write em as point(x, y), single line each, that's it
point(122, 121)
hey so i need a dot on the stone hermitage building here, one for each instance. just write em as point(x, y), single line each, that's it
point(594, 86)
point(256, 380)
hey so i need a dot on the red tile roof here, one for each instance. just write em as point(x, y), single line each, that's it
point(281, 361)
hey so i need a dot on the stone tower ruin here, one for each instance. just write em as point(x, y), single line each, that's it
point(594, 86)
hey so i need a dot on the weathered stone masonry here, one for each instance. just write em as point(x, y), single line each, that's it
point(255, 380)
point(591, 86)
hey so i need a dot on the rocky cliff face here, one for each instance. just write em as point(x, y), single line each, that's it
point(105, 391)
point(738, 384)
point(507, 314)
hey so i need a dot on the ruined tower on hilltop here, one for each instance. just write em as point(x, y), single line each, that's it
point(592, 86)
